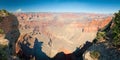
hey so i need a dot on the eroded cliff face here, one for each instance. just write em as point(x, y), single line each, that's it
point(58, 32)
point(10, 35)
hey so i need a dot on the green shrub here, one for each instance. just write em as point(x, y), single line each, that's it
point(4, 12)
point(116, 40)
point(116, 30)
point(3, 46)
point(95, 54)
point(3, 53)
point(100, 36)
point(1, 31)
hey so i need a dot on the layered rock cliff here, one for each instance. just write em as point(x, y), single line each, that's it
point(43, 35)
point(58, 32)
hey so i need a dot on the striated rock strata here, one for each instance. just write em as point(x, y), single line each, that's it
point(58, 32)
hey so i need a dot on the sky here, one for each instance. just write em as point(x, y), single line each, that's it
point(86, 6)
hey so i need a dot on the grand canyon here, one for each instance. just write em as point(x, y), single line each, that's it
point(59, 32)
point(59, 36)
point(43, 35)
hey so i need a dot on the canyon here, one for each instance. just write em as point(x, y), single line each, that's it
point(46, 35)
point(58, 32)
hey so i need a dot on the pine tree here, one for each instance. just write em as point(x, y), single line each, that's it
point(116, 29)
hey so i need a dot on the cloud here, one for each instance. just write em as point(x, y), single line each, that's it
point(19, 10)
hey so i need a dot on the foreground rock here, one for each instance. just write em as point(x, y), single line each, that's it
point(10, 33)
point(106, 52)
point(3, 41)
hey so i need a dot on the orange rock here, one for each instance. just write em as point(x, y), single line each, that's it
point(66, 51)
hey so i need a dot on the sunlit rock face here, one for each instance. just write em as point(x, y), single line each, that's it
point(3, 41)
point(59, 32)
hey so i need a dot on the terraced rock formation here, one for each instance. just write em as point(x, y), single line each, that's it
point(59, 32)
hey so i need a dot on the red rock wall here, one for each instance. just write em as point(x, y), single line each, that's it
point(47, 19)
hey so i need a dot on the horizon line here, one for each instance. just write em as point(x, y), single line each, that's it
point(62, 12)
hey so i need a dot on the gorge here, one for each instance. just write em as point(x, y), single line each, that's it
point(44, 35)
point(59, 32)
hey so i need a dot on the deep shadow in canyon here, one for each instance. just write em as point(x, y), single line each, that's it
point(36, 52)
point(32, 53)
point(76, 55)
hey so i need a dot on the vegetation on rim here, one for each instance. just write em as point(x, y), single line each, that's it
point(116, 29)
point(95, 54)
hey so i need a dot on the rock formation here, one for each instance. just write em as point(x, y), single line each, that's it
point(9, 25)
point(49, 35)
point(106, 43)
point(59, 32)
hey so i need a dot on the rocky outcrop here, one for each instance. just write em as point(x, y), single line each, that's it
point(31, 46)
point(106, 51)
point(3, 41)
point(108, 45)
point(9, 25)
